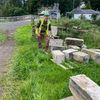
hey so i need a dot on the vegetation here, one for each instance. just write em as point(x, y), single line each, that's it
point(97, 22)
point(22, 7)
point(2, 37)
point(33, 76)
point(80, 29)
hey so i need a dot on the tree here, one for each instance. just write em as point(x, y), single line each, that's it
point(21, 7)
point(95, 4)
point(88, 6)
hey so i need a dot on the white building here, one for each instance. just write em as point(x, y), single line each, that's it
point(87, 13)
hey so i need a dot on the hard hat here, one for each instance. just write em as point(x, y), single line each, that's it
point(46, 13)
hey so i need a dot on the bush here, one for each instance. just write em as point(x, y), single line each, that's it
point(69, 23)
point(2, 37)
point(82, 17)
point(16, 11)
point(97, 22)
point(94, 17)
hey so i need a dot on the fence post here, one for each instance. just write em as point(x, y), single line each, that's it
point(33, 26)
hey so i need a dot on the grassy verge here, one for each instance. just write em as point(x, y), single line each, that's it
point(2, 37)
point(34, 77)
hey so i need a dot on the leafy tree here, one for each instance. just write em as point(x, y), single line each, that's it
point(33, 6)
point(21, 7)
point(88, 6)
point(95, 4)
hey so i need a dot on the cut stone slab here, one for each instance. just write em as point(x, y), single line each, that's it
point(84, 46)
point(57, 48)
point(68, 53)
point(54, 30)
point(56, 42)
point(74, 47)
point(56, 37)
point(58, 56)
point(83, 88)
point(93, 53)
point(74, 41)
point(69, 98)
point(81, 57)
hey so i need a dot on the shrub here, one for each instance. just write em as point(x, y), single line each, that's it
point(2, 37)
point(97, 22)
point(16, 11)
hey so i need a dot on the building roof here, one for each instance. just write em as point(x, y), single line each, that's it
point(84, 11)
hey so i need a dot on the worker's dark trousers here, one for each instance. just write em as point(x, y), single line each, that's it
point(40, 41)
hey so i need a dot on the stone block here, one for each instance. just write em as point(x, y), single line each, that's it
point(84, 46)
point(74, 41)
point(69, 98)
point(68, 53)
point(83, 88)
point(74, 47)
point(58, 56)
point(56, 42)
point(93, 53)
point(81, 57)
point(54, 30)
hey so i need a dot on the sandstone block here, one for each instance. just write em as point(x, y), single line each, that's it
point(74, 47)
point(84, 88)
point(68, 53)
point(93, 53)
point(81, 57)
point(74, 41)
point(58, 56)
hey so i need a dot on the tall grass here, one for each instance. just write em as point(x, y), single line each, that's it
point(33, 76)
point(2, 37)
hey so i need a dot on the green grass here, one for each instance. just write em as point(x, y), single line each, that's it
point(33, 76)
point(2, 37)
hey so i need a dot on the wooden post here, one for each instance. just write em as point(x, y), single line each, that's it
point(33, 26)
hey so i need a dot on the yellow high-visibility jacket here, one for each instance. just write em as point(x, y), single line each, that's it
point(38, 30)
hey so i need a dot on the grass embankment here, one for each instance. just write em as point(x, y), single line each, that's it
point(34, 77)
point(2, 37)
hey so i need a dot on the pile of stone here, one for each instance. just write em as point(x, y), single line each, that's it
point(72, 48)
point(83, 88)
point(93, 53)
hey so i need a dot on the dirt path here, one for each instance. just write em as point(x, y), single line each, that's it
point(6, 49)
point(5, 52)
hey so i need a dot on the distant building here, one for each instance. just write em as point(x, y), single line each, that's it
point(54, 12)
point(87, 13)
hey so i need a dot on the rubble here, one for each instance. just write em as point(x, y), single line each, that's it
point(83, 88)
point(93, 53)
point(74, 41)
point(55, 44)
point(73, 47)
point(81, 57)
point(58, 56)
point(68, 53)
